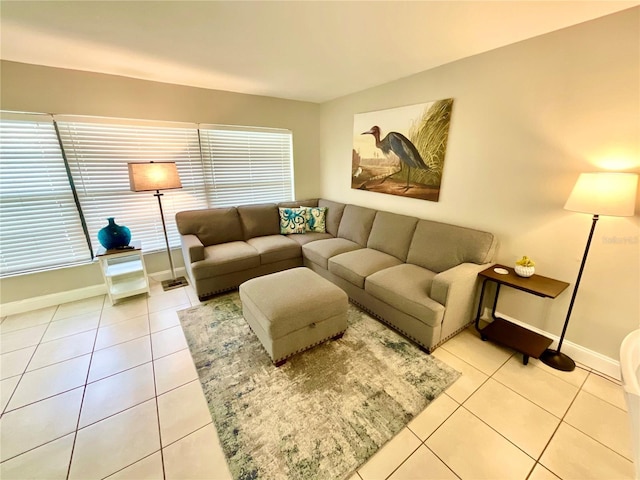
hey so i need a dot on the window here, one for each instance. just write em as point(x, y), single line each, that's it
point(63, 176)
point(40, 226)
point(247, 165)
point(98, 153)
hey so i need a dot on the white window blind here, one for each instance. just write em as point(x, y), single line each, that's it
point(98, 153)
point(40, 224)
point(247, 165)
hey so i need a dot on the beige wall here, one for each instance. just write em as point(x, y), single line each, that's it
point(32, 88)
point(527, 119)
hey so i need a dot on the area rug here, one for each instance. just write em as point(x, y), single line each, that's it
point(325, 411)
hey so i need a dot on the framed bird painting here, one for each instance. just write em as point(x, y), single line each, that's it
point(401, 151)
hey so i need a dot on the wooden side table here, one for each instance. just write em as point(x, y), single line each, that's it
point(529, 343)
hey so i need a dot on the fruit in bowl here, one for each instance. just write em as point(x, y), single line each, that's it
point(525, 267)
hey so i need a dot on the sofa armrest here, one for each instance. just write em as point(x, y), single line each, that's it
point(192, 249)
point(456, 289)
point(455, 282)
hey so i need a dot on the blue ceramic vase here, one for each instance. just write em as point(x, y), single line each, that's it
point(114, 235)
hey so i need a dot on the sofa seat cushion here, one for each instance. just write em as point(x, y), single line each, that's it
point(357, 265)
point(225, 258)
point(309, 237)
point(274, 248)
point(406, 288)
point(319, 252)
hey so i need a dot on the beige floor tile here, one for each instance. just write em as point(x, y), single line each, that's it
point(52, 380)
point(541, 473)
point(355, 476)
point(149, 468)
point(423, 465)
point(174, 370)
point(19, 339)
point(522, 422)
point(575, 378)
point(125, 310)
point(469, 381)
point(119, 358)
point(50, 461)
point(387, 459)
point(602, 421)
point(485, 356)
point(115, 442)
point(572, 454)
point(27, 319)
point(182, 411)
point(168, 341)
point(433, 416)
point(540, 387)
point(160, 300)
point(122, 332)
point(165, 318)
point(7, 387)
point(36, 424)
point(193, 296)
point(470, 448)
point(605, 390)
point(79, 307)
point(197, 456)
point(71, 326)
point(62, 349)
point(15, 363)
point(116, 393)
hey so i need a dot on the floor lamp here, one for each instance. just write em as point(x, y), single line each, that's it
point(146, 177)
point(601, 193)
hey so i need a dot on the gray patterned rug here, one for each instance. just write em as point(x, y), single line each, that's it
point(324, 412)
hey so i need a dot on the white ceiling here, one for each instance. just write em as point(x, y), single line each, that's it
point(304, 50)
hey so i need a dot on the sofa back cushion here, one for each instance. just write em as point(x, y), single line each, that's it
point(356, 224)
point(392, 233)
point(333, 216)
point(211, 225)
point(440, 246)
point(259, 220)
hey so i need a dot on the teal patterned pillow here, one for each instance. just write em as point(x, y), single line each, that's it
point(316, 219)
point(292, 220)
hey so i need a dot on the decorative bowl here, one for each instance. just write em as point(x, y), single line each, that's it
point(524, 271)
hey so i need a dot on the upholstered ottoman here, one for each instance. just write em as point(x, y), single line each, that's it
point(293, 310)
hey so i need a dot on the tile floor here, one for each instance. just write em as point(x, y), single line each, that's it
point(90, 390)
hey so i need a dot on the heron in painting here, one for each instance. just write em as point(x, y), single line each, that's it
point(401, 146)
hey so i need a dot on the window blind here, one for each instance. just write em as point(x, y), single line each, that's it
point(245, 165)
point(40, 224)
point(98, 153)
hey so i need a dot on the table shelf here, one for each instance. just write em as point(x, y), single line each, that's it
point(124, 272)
point(530, 344)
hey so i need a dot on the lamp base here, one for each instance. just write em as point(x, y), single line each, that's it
point(557, 360)
point(174, 283)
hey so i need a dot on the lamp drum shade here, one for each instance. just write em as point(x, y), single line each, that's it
point(604, 193)
point(145, 177)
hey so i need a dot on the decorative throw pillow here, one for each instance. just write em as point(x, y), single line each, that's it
point(292, 220)
point(316, 219)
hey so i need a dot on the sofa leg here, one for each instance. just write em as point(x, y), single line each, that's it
point(424, 349)
point(338, 337)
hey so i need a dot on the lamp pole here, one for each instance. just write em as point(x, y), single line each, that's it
point(554, 358)
point(166, 238)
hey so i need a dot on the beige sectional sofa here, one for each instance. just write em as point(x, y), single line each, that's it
point(418, 276)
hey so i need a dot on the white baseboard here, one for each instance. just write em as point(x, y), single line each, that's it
point(20, 306)
point(44, 301)
point(601, 363)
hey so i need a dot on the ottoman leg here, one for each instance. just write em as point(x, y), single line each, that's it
point(338, 336)
point(280, 363)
